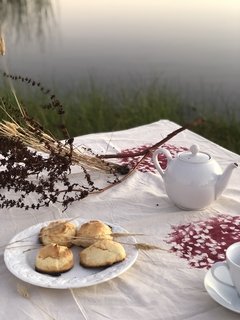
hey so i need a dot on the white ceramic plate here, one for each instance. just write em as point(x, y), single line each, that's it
point(223, 294)
point(19, 258)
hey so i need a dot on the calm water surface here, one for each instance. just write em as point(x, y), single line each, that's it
point(191, 45)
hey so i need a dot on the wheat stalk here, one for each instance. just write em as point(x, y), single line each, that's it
point(146, 246)
point(43, 142)
point(2, 45)
point(138, 245)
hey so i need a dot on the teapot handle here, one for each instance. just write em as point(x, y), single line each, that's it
point(156, 162)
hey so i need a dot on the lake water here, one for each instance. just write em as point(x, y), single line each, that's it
point(192, 46)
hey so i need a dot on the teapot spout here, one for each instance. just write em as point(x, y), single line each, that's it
point(223, 179)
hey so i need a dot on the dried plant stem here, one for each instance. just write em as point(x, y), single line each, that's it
point(80, 307)
point(139, 246)
point(8, 245)
point(114, 235)
point(147, 247)
point(146, 152)
point(126, 234)
point(194, 123)
point(143, 246)
point(23, 246)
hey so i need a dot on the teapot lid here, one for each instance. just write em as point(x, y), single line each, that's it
point(194, 155)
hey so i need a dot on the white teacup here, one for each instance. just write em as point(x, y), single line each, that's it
point(232, 264)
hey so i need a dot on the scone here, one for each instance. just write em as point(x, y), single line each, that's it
point(102, 253)
point(54, 259)
point(60, 232)
point(91, 232)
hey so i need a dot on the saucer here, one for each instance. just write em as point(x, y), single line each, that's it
point(224, 294)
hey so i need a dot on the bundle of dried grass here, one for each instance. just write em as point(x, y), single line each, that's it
point(40, 141)
point(22, 138)
point(31, 134)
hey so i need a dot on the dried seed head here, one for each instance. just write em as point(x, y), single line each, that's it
point(22, 290)
point(147, 246)
point(2, 45)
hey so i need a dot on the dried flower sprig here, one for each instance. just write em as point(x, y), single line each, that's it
point(54, 102)
point(25, 172)
point(18, 164)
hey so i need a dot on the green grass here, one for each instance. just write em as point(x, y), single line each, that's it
point(97, 110)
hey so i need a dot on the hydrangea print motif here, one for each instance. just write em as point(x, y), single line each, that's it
point(204, 242)
point(147, 165)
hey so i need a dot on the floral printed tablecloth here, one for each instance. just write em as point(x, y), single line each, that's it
point(162, 284)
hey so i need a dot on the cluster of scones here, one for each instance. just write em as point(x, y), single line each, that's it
point(95, 237)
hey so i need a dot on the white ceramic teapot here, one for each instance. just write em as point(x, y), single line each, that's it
point(193, 180)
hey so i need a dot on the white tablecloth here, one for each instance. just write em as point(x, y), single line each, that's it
point(161, 284)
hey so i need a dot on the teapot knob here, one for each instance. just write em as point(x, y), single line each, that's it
point(194, 149)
